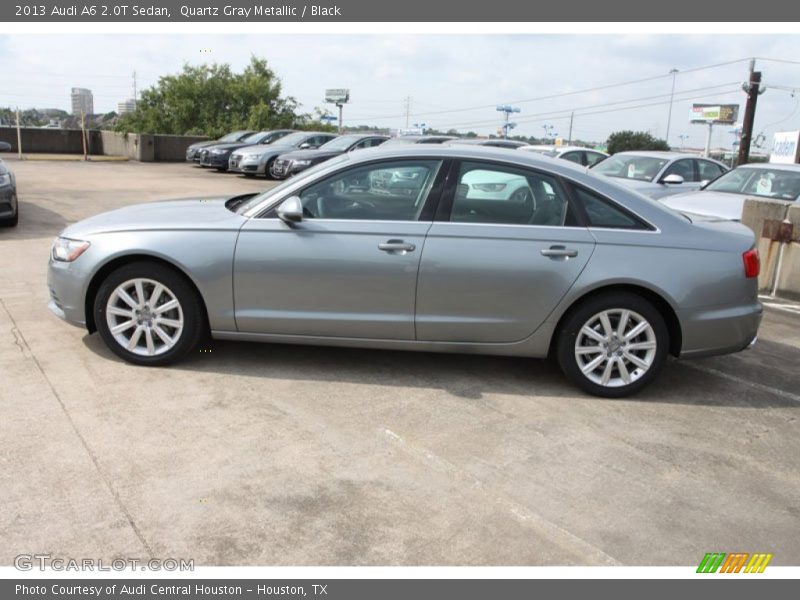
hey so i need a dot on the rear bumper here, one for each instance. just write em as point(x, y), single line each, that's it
point(709, 332)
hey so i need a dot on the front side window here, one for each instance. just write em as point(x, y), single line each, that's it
point(592, 158)
point(504, 195)
point(573, 157)
point(389, 191)
point(684, 168)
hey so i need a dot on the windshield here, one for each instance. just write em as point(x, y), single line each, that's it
point(275, 191)
point(231, 137)
point(341, 143)
point(631, 166)
point(767, 183)
point(293, 139)
point(255, 138)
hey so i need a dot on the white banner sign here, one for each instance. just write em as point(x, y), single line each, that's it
point(785, 147)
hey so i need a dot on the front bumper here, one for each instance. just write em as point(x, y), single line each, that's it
point(710, 332)
point(67, 290)
point(243, 164)
point(8, 201)
point(217, 161)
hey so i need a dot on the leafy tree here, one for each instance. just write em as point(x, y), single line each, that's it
point(212, 100)
point(622, 141)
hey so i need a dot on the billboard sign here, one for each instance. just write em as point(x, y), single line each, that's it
point(785, 147)
point(714, 113)
point(337, 96)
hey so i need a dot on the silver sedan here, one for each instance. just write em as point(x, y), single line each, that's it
point(419, 247)
point(660, 174)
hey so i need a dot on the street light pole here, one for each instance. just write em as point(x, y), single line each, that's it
point(673, 72)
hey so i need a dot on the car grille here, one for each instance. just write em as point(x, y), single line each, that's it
point(235, 160)
point(279, 167)
point(203, 154)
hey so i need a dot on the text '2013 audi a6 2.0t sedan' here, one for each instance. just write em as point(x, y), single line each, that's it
point(420, 247)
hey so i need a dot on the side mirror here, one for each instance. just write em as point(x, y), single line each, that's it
point(291, 210)
point(304, 146)
point(704, 183)
point(672, 179)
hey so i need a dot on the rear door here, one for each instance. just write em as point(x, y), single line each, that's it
point(503, 251)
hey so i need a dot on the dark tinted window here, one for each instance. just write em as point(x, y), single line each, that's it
point(602, 213)
point(709, 170)
point(573, 157)
point(592, 158)
point(684, 168)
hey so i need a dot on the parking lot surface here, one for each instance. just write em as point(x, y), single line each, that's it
point(251, 454)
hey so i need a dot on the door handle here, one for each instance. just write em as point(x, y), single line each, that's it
point(559, 252)
point(396, 246)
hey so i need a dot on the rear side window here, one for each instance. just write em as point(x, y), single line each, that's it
point(603, 213)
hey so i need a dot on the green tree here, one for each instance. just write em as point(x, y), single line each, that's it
point(622, 141)
point(212, 100)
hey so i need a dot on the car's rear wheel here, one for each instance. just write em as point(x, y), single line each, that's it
point(149, 314)
point(613, 344)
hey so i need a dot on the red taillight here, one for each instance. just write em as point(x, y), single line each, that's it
point(752, 264)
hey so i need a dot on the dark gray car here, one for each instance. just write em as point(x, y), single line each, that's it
point(421, 247)
point(9, 204)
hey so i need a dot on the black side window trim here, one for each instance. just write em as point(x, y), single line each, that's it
point(584, 216)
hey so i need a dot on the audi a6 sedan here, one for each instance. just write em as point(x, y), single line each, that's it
point(660, 174)
point(9, 205)
point(416, 247)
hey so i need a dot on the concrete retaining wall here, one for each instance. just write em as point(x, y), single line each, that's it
point(756, 213)
point(140, 147)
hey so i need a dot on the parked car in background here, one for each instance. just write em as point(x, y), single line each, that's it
point(258, 159)
point(724, 197)
point(292, 163)
point(193, 151)
point(493, 142)
point(419, 139)
point(577, 154)
point(217, 156)
point(5, 147)
point(9, 204)
point(419, 248)
point(660, 174)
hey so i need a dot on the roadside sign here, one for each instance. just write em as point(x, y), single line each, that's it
point(337, 95)
point(785, 147)
point(714, 113)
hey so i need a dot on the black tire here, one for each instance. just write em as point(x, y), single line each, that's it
point(190, 307)
point(13, 220)
point(249, 175)
point(587, 313)
point(268, 168)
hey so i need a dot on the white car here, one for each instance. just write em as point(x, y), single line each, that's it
point(577, 154)
point(660, 174)
point(724, 197)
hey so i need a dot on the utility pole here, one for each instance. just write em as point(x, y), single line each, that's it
point(135, 96)
point(83, 134)
point(19, 137)
point(673, 72)
point(408, 109)
point(752, 88)
point(571, 118)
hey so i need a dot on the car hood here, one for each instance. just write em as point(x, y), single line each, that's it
point(310, 154)
point(229, 147)
point(199, 213)
point(722, 205)
point(197, 145)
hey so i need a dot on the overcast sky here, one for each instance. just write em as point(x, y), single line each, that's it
point(445, 75)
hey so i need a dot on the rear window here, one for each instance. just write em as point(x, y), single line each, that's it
point(603, 213)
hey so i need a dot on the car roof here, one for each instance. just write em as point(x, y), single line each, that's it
point(773, 166)
point(660, 154)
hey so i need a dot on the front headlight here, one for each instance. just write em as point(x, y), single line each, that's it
point(251, 156)
point(217, 151)
point(301, 163)
point(67, 250)
point(5, 180)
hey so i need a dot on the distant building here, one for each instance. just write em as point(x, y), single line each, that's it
point(82, 101)
point(126, 106)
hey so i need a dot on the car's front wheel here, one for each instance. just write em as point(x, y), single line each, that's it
point(613, 344)
point(149, 314)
